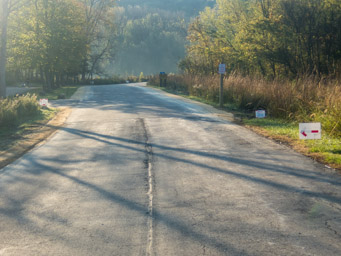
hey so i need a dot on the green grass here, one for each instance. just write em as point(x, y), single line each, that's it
point(19, 109)
point(9, 135)
point(228, 106)
point(16, 110)
point(67, 91)
point(41, 117)
point(328, 149)
point(44, 115)
point(22, 114)
point(275, 126)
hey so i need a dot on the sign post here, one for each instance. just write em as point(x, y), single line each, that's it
point(222, 71)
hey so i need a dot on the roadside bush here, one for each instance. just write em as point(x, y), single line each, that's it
point(107, 81)
point(14, 111)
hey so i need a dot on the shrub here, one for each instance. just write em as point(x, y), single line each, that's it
point(107, 81)
point(14, 111)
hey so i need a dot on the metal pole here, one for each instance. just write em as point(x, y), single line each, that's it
point(221, 91)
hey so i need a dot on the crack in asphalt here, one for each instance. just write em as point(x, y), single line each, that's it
point(149, 165)
point(329, 226)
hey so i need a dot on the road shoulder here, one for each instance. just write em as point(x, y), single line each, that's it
point(38, 134)
point(283, 140)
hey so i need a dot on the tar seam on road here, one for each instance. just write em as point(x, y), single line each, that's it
point(330, 226)
point(149, 166)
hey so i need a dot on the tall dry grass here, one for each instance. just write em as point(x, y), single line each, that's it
point(15, 110)
point(304, 100)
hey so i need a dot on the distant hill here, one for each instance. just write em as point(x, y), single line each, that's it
point(152, 35)
point(188, 7)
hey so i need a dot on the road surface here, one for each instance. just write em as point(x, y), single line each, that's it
point(136, 171)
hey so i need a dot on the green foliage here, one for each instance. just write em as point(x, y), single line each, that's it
point(188, 8)
point(47, 37)
point(14, 111)
point(141, 77)
point(64, 92)
point(149, 41)
point(112, 80)
point(152, 35)
point(276, 126)
point(175, 83)
point(273, 38)
point(328, 148)
point(56, 41)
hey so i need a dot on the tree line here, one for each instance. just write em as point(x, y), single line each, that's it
point(152, 34)
point(272, 38)
point(54, 41)
point(148, 41)
point(188, 8)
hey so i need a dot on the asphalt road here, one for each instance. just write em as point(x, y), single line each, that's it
point(138, 172)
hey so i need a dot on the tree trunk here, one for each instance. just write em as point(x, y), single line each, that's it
point(84, 70)
point(47, 83)
point(3, 46)
point(58, 80)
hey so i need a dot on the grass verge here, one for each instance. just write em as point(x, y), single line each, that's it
point(62, 92)
point(16, 140)
point(327, 150)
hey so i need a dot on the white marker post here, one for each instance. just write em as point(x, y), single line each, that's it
point(310, 131)
point(222, 71)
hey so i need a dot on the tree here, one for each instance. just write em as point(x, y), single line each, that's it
point(7, 7)
point(149, 41)
point(100, 33)
point(48, 37)
point(274, 38)
point(55, 39)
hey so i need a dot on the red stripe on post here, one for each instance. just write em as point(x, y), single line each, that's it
point(314, 131)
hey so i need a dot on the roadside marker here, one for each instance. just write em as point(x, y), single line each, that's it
point(310, 131)
point(260, 114)
point(43, 102)
point(222, 69)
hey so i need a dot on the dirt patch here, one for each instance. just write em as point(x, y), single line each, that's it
point(35, 135)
